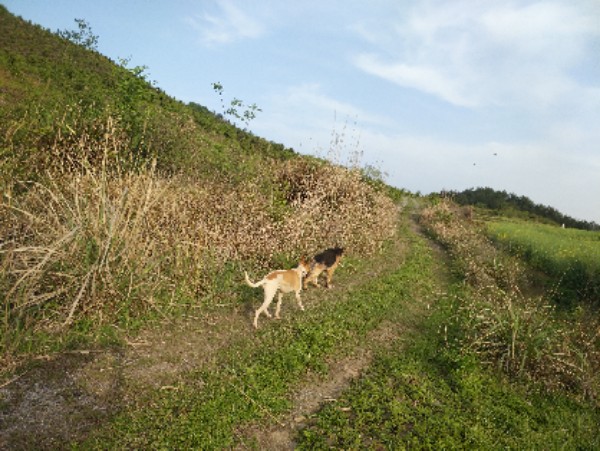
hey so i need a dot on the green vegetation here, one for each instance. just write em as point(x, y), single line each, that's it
point(430, 397)
point(121, 204)
point(235, 107)
point(496, 318)
point(83, 36)
point(489, 369)
point(66, 107)
point(512, 205)
point(570, 257)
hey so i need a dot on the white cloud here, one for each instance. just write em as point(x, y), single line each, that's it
point(427, 79)
point(474, 54)
point(230, 23)
point(311, 96)
point(307, 118)
point(309, 111)
point(539, 27)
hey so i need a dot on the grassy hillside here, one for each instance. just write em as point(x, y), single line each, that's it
point(121, 204)
point(65, 105)
point(127, 220)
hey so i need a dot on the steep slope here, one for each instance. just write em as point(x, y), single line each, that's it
point(59, 101)
point(121, 204)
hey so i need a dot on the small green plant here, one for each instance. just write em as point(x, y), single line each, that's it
point(236, 108)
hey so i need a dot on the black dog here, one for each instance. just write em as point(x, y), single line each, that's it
point(328, 261)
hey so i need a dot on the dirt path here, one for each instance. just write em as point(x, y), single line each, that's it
point(315, 391)
point(61, 398)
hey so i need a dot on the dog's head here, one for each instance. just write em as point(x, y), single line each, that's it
point(338, 251)
point(304, 266)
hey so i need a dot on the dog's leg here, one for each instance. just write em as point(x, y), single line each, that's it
point(278, 308)
point(314, 276)
point(269, 293)
point(330, 276)
point(306, 280)
point(299, 300)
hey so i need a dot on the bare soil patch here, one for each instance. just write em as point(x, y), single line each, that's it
point(63, 397)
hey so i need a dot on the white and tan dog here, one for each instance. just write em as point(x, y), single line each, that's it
point(283, 280)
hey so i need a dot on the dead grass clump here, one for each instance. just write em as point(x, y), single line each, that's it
point(332, 205)
point(522, 335)
point(307, 208)
point(79, 244)
point(475, 255)
point(93, 244)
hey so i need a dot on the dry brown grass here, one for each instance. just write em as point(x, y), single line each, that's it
point(521, 334)
point(100, 243)
point(332, 205)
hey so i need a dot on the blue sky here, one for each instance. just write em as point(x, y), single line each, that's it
point(437, 94)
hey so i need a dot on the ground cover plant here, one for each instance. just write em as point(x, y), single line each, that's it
point(426, 396)
point(571, 257)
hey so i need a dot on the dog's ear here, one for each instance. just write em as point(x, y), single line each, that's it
point(304, 263)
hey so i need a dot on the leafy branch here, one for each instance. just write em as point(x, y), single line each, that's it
point(236, 106)
point(83, 36)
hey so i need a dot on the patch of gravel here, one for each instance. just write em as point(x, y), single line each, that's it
point(46, 407)
point(61, 399)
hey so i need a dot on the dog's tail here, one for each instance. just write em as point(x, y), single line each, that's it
point(252, 284)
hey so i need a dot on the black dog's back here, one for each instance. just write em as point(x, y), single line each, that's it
point(329, 256)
